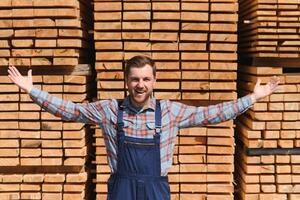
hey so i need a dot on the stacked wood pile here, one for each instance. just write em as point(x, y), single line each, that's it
point(34, 142)
point(269, 28)
point(267, 156)
point(194, 45)
point(32, 137)
point(44, 33)
point(205, 161)
point(43, 157)
point(46, 186)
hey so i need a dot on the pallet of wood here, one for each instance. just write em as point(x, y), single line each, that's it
point(267, 158)
point(39, 33)
point(269, 28)
point(206, 162)
point(267, 176)
point(272, 122)
point(42, 156)
point(33, 137)
point(45, 186)
point(193, 44)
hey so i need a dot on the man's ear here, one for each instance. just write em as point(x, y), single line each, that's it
point(125, 79)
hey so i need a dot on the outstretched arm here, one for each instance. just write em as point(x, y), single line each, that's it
point(189, 116)
point(91, 113)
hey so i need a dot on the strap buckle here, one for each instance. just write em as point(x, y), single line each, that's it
point(158, 129)
point(120, 126)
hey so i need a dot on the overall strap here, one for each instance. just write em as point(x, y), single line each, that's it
point(157, 118)
point(120, 123)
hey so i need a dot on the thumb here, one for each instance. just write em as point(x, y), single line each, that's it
point(258, 82)
point(29, 74)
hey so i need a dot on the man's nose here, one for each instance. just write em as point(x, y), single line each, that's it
point(140, 83)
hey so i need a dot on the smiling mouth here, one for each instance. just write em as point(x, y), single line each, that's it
point(139, 92)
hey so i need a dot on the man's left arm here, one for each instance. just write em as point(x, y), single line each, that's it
point(191, 116)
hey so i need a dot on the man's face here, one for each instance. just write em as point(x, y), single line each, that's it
point(140, 83)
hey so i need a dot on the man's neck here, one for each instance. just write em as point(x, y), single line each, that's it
point(139, 107)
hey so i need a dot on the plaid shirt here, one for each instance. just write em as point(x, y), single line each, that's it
point(141, 123)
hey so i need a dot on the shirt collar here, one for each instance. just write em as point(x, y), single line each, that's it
point(127, 104)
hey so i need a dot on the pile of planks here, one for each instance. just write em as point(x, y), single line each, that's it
point(46, 186)
point(32, 137)
point(269, 28)
point(44, 33)
point(205, 162)
point(193, 44)
point(267, 159)
point(35, 143)
point(43, 157)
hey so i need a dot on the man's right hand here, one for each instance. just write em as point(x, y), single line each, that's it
point(25, 83)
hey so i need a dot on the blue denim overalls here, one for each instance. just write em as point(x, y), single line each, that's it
point(138, 175)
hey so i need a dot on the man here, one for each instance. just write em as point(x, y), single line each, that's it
point(140, 131)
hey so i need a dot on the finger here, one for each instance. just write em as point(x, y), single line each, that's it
point(275, 82)
point(29, 74)
point(17, 72)
point(12, 78)
point(274, 89)
point(11, 72)
point(258, 82)
point(274, 86)
point(14, 71)
point(275, 79)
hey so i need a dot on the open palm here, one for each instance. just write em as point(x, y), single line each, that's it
point(24, 82)
point(261, 91)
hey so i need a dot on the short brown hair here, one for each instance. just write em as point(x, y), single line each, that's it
point(139, 62)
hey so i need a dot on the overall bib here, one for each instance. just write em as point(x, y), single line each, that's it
point(138, 175)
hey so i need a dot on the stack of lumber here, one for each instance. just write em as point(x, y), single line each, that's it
point(44, 33)
point(194, 45)
point(33, 137)
point(267, 155)
point(46, 186)
point(208, 46)
point(268, 134)
point(262, 177)
point(269, 28)
point(43, 157)
point(206, 162)
point(34, 140)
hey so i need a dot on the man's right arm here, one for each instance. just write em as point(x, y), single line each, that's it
point(91, 113)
